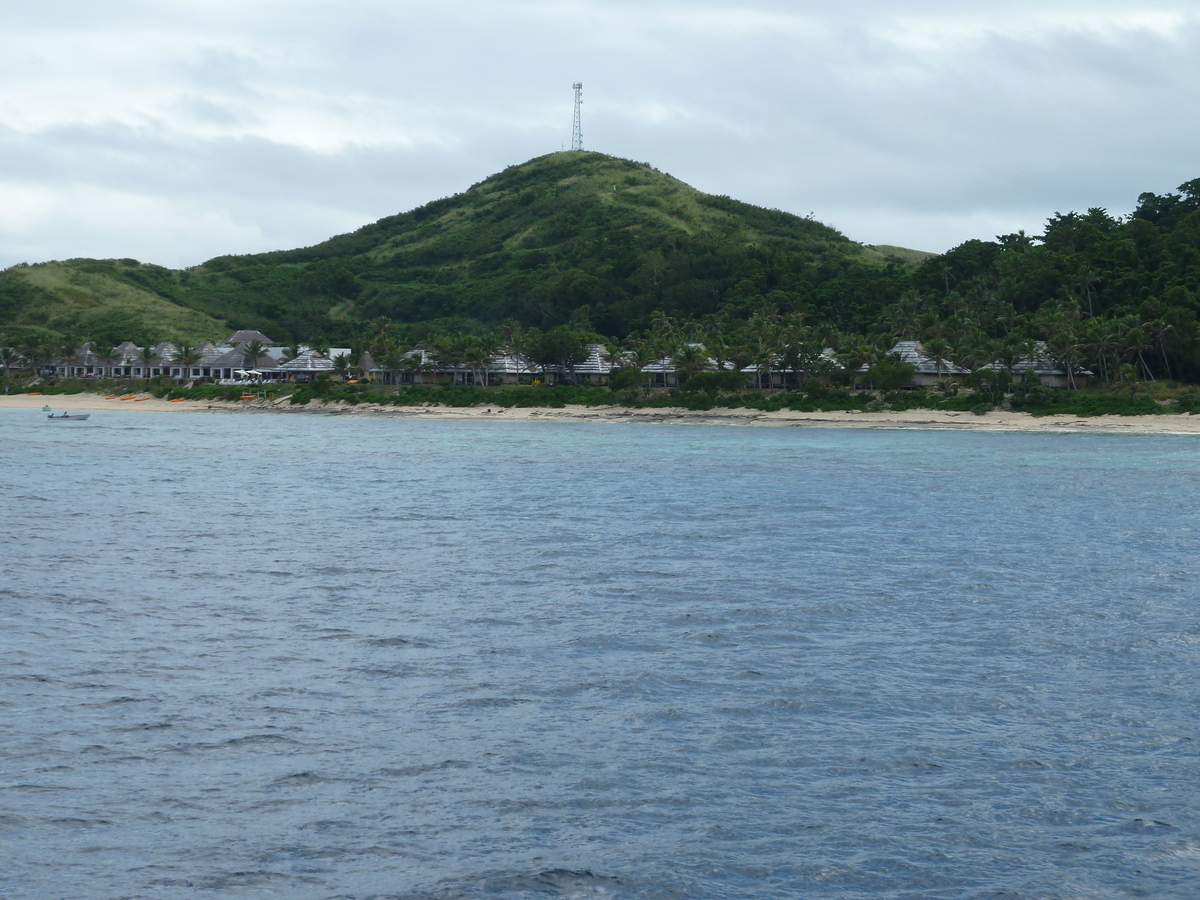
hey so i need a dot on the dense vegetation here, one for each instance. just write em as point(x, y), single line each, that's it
point(1117, 295)
point(570, 237)
point(580, 246)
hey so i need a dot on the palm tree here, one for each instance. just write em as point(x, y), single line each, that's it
point(341, 365)
point(1127, 380)
point(641, 355)
point(416, 363)
point(393, 361)
point(478, 354)
point(1066, 350)
point(68, 350)
point(251, 351)
point(1088, 279)
point(108, 357)
point(1137, 342)
point(449, 351)
point(33, 354)
point(691, 359)
point(665, 345)
point(766, 343)
point(187, 356)
point(803, 355)
point(853, 358)
point(292, 351)
point(8, 359)
point(1008, 351)
point(763, 360)
point(381, 332)
point(147, 356)
point(717, 345)
point(938, 351)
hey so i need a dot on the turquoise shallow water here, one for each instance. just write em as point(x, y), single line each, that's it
point(313, 657)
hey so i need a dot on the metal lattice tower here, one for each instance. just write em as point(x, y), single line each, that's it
point(577, 127)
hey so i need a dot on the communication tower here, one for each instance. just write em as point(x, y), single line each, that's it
point(577, 128)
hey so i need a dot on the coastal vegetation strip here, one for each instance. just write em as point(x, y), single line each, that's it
point(1032, 399)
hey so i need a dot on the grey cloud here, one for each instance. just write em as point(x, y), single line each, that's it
point(922, 126)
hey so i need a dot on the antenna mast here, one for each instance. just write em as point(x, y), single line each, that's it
point(577, 128)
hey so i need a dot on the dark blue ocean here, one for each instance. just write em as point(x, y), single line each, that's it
point(314, 657)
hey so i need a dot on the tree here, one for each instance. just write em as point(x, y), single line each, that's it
point(1127, 380)
point(853, 358)
point(716, 344)
point(415, 362)
point(393, 360)
point(147, 355)
point(9, 359)
point(939, 352)
point(1137, 342)
point(561, 349)
point(251, 351)
point(1066, 350)
point(890, 372)
point(187, 356)
point(341, 365)
point(640, 356)
point(691, 359)
point(804, 356)
point(106, 355)
point(1101, 342)
point(478, 355)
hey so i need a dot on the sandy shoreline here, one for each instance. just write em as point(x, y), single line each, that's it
point(916, 418)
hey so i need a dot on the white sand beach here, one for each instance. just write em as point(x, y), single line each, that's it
point(917, 418)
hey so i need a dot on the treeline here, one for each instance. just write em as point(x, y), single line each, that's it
point(1118, 296)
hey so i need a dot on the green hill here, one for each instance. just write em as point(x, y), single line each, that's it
point(84, 297)
point(608, 245)
point(572, 236)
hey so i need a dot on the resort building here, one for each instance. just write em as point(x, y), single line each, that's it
point(928, 370)
point(1049, 371)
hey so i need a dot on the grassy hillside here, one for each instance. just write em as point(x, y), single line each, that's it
point(82, 297)
point(571, 236)
point(567, 236)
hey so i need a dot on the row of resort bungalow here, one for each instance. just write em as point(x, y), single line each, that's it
point(228, 363)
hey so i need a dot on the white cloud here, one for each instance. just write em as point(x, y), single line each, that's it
point(266, 124)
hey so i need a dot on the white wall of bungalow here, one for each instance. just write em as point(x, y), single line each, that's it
point(227, 362)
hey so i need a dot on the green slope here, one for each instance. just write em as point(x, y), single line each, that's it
point(84, 298)
point(569, 236)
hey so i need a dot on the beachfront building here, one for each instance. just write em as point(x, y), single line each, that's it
point(783, 377)
point(123, 361)
point(1050, 372)
point(305, 367)
point(127, 360)
point(928, 370)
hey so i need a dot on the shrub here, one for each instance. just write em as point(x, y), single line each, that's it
point(715, 382)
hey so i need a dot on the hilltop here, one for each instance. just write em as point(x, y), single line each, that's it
point(569, 237)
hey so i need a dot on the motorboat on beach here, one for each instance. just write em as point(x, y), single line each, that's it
point(70, 417)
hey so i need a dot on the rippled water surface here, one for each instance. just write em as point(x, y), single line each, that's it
point(312, 657)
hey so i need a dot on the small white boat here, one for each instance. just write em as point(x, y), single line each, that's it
point(76, 417)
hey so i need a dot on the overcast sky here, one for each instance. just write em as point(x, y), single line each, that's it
point(176, 131)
